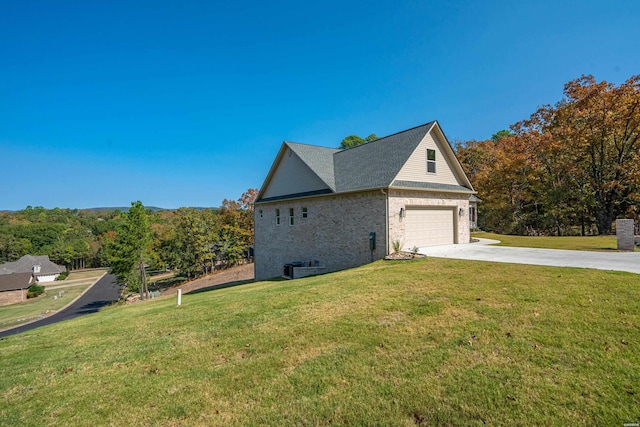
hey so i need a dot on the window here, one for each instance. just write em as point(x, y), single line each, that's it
point(291, 214)
point(431, 161)
point(277, 216)
point(260, 213)
point(304, 212)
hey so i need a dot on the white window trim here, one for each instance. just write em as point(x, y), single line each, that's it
point(434, 162)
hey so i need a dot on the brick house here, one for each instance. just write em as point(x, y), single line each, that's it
point(13, 287)
point(326, 209)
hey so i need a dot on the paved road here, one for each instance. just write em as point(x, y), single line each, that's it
point(485, 251)
point(103, 293)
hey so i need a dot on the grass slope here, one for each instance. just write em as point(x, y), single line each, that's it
point(425, 342)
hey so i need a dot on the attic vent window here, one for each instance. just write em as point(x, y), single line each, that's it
point(304, 212)
point(291, 215)
point(277, 216)
point(431, 161)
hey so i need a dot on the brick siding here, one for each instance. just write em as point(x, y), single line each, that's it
point(335, 232)
point(12, 297)
point(401, 199)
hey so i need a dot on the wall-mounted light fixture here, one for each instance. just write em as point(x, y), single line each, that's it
point(460, 211)
point(403, 213)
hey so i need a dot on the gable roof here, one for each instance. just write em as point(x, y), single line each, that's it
point(375, 164)
point(14, 281)
point(319, 160)
point(368, 166)
point(26, 264)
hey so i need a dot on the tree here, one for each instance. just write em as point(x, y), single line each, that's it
point(501, 134)
point(354, 140)
point(130, 248)
point(571, 164)
point(351, 141)
point(600, 123)
point(236, 219)
point(195, 233)
point(371, 138)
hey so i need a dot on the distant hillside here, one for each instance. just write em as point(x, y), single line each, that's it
point(151, 208)
point(120, 208)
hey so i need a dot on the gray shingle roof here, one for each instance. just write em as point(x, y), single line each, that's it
point(374, 165)
point(431, 186)
point(368, 166)
point(26, 264)
point(319, 160)
point(14, 281)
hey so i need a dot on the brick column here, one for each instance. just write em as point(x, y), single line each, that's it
point(624, 233)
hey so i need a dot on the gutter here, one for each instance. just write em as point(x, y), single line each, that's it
point(386, 220)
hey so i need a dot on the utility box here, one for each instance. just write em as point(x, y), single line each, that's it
point(624, 233)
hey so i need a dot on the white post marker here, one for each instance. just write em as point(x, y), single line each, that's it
point(179, 296)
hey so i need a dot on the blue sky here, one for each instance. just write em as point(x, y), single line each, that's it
point(186, 103)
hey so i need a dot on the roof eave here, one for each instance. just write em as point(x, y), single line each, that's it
point(433, 190)
point(452, 155)
point(272, 170)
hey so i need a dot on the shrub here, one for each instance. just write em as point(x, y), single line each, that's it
point(35, 290)
point(63, 275)
point(396, 246)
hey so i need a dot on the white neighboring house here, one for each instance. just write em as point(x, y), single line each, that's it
point(326, 209)
point(42, 269)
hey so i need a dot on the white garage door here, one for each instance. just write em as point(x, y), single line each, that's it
point(428, 227)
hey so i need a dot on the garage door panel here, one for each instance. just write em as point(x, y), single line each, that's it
point(429, 227)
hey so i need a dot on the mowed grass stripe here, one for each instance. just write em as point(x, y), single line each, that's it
point(424, 342)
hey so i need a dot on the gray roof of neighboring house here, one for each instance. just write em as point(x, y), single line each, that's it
point(26, 264)
point(14, 281)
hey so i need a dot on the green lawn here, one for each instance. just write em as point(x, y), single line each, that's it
point(45, 304)
point(84, 274)
point(400, 343)
point(579, 243)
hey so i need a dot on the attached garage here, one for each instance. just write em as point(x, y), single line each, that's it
point(429, 227)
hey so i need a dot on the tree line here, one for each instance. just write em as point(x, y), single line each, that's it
point(570, 168)
point(192, 241)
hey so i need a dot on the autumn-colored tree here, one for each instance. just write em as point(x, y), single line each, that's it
point(567, 165)
point(236, 218)
point(600, 123)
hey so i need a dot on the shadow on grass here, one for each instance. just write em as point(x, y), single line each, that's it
point(167, 283)
point(232, 284)
point(221, 286)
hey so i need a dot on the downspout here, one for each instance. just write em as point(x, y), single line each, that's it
point(386, 220)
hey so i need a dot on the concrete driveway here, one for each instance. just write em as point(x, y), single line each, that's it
point(484, 250)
